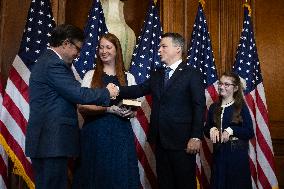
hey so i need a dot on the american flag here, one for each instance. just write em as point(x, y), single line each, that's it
point(200, 56)
point(3, 155)
point(145, 58)
point(15, 110)
point(247, 67)
point(94, 28)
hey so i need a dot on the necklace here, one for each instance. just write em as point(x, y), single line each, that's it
point(228, 104)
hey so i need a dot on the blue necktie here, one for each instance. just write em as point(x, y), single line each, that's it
point(167, 75)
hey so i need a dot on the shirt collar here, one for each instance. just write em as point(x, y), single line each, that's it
point(228, 104)
point(55, 53)
point(175, 65)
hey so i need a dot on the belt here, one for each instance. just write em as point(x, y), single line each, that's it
point(234, 143)
point(238, 144)
point(234, 138)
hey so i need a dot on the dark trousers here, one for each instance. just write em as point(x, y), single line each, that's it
point(50, 173)
point(175, 169)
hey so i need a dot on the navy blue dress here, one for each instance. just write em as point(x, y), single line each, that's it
point(230, 168)
point(108, 156)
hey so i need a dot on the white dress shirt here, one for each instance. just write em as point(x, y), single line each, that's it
point(174, 67)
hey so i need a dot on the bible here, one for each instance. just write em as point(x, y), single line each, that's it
point(130, 103)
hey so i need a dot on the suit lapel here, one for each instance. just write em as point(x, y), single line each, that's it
point(161, 82)
point(175, 76)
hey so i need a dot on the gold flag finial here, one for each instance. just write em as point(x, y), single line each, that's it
point(202, 2)
point(248, 6)
point(155, 2)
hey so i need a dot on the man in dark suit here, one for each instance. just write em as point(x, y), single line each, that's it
point(177, 115)
point(52, 133)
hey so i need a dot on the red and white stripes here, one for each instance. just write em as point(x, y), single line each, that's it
point(3, 155)
point(14, 117)
point(261, 150)
point(145, 153)
point(204, 159)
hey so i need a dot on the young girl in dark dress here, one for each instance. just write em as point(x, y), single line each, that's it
point(230, 128)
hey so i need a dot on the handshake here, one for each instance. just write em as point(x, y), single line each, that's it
point(113, 90)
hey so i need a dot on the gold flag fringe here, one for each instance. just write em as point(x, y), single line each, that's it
point(202, 2)
point(18, 167)
point(248, 6)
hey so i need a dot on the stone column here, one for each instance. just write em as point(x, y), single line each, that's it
point(114, 16)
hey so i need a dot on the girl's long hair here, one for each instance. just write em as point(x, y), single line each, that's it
point(119, 65)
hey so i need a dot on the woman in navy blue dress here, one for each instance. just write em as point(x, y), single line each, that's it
point(108, 157)
point(230, 128)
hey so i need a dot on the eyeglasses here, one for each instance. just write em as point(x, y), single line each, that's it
point(226, 85)
point(77, 47)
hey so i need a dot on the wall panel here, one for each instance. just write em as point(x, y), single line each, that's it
point(13, 18)
point(269, 28)
point(58, 10)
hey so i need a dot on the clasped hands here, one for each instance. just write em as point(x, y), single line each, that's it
point(121, 111)
point(113, 90)
point(215, 135)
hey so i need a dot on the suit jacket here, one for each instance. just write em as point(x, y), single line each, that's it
point(52, 129)
point(177, 109)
